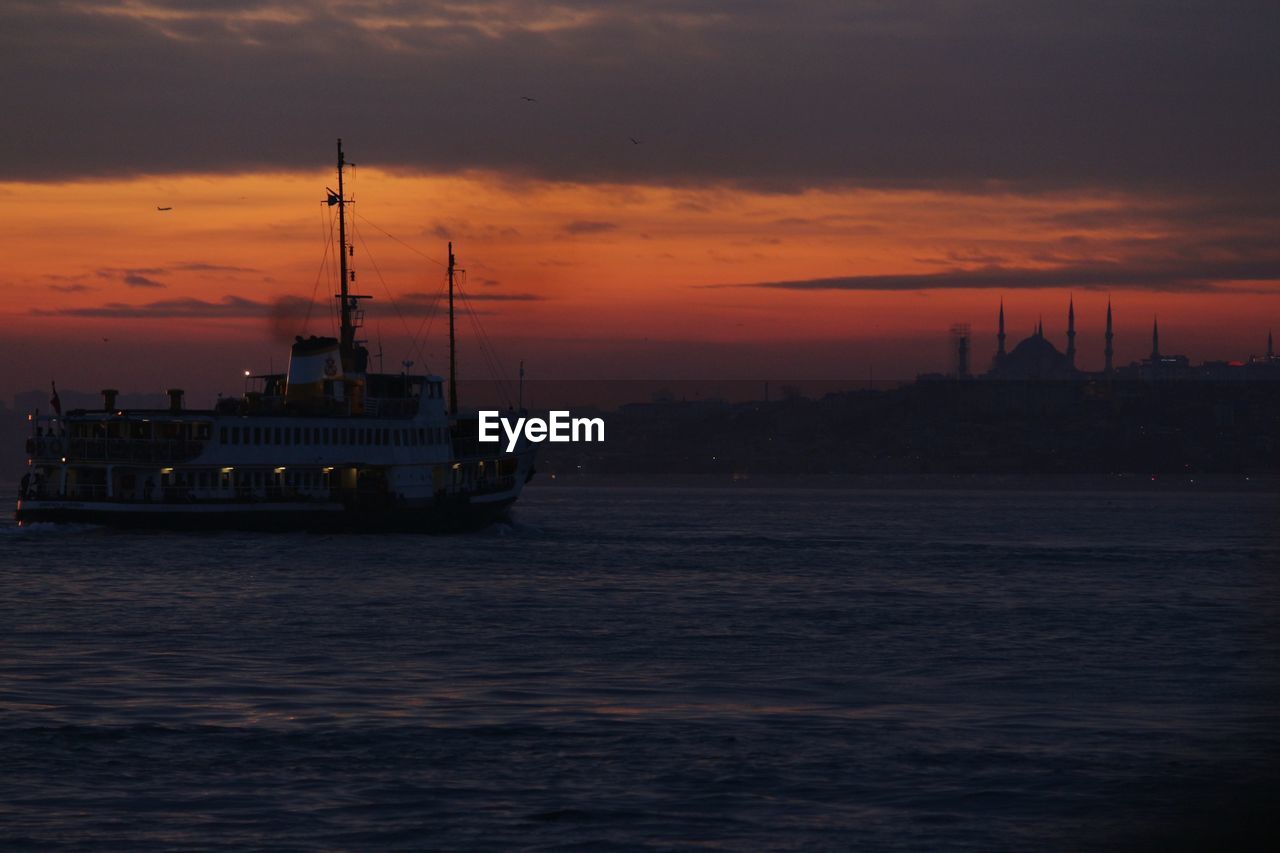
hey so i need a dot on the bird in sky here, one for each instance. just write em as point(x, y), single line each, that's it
point(634, 141)
point(163, 208)
point(527, 98)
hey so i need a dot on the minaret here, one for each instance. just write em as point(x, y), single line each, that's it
point(1000, 335)
point(1109, 351)
point(1155, 340)
point(1071, 334)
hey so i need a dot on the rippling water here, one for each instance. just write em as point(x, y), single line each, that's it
point(655, 668)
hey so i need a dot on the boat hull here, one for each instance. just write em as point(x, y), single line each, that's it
point(450, 517)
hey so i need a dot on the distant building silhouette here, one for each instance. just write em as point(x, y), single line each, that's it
point(1108, 369)
point(1034, 358)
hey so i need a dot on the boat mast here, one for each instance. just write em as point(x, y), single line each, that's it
point(453, 353)
point(348, 334)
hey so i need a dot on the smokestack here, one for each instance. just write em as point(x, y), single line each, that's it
point(109, 399)
point(175, 399)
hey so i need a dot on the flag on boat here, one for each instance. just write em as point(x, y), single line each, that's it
point(54, 401)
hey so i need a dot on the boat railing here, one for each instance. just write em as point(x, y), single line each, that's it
point(56, 448)
point(49, 490)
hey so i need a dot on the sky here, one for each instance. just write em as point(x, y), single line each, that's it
point(668, 189)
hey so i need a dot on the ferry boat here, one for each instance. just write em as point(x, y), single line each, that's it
point(329, 445)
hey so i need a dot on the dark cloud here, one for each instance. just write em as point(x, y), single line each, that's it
point(589, 227)
point(200, 266)
point(135, 280)
point(230, 306)
point(1180, 278)
point(71, 288)
point(437, 302)
point(972, 93)
point(134, 276)
point(463, 230)
point(289, 313)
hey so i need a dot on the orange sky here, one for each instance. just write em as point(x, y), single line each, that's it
point(586, 281)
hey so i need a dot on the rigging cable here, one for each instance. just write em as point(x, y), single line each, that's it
point(403, 243)
point(324, 260)
point(487, 350)
point(395, 305)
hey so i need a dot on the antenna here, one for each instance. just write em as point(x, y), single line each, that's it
point(348, 334)
point(453, 353)
point(350, 302)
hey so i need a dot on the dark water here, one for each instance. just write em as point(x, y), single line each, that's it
point(665, 669)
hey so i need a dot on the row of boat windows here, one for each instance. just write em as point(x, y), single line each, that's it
point(328, 436)
point(301, 479)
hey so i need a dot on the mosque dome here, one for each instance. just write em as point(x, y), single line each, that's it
point(1034, 358)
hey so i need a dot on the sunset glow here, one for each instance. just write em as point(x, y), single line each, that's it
point(799, 212)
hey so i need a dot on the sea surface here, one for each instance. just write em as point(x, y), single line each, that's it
point(657, 668)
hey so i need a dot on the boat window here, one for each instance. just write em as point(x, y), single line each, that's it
point(222, 435)
point(275, 438)
point(257, 435)
point(235, 435)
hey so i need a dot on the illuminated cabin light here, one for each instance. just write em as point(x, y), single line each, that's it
point(227, 470)
point(279, 470)
point(64, 459)
point(246, 373)
point(166, 470)
point(327, 470)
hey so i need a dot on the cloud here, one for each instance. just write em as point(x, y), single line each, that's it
point(134, 276)
point(584, 226)
point(1162, 276)
point(429, 303)
point(71, 288)
point(200, 266)
point(134, 280)
point(230, 306)
point(972, 93)
point(288, 310)
point(461, 229)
